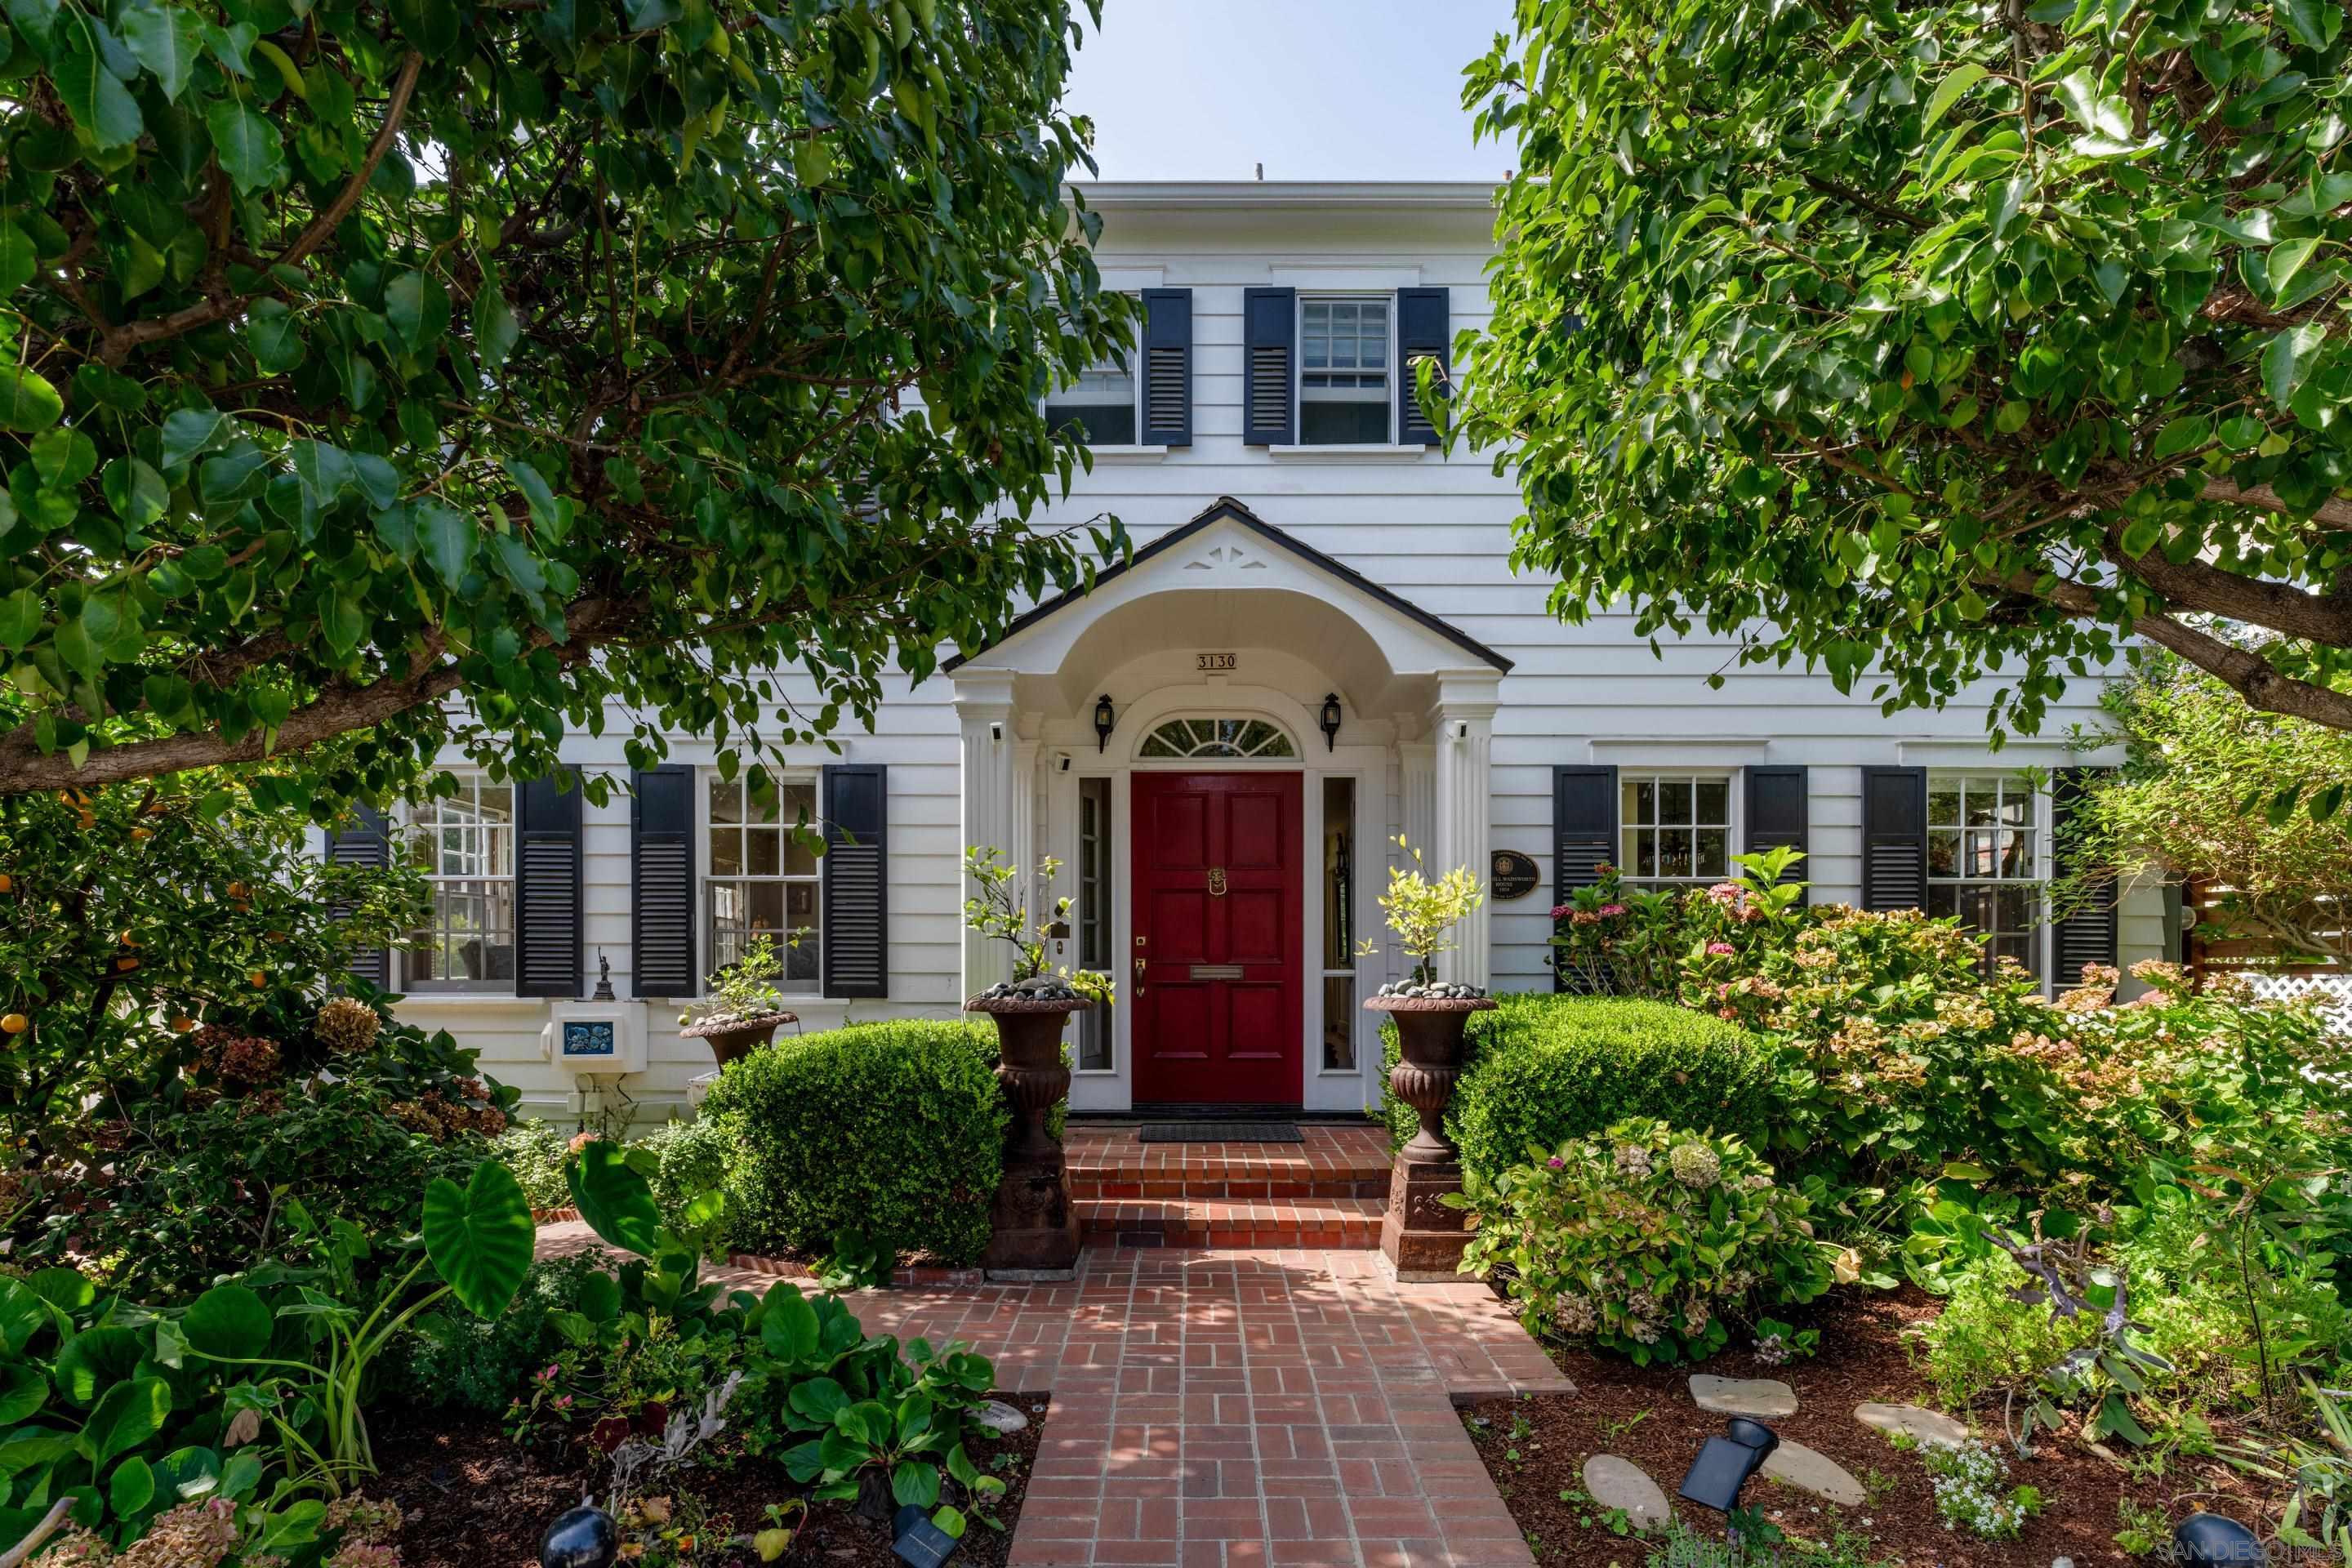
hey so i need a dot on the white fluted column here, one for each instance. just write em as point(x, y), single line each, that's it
point(1463, 740)
point(990, 791)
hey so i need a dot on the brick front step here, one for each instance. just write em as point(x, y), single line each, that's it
point(1345, 1223)
point(1347, 1162)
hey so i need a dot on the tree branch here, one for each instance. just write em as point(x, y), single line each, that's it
point(2336, 511)
point(2195, 584)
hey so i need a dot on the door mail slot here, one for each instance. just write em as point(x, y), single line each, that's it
point(1216, 971)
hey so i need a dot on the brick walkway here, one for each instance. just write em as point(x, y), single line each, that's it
point(1240, 1409)
point(1327, 1191)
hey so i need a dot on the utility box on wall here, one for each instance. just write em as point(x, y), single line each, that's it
point(596, 1038)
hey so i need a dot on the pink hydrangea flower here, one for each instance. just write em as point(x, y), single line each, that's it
point(1611, 911)
point(1718, 950)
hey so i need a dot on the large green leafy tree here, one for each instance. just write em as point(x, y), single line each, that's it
point(450, 370)
point(1927, 341)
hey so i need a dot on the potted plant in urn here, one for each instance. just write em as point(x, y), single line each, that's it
point(1032, 1226)
point(744, 1009)
point(1421, 1236)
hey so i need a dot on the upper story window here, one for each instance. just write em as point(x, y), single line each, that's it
point(1101, 404)
point(1343, 371)
point(1987, 860)
point(763, 878)
point(1676, 827)
point(464, 844)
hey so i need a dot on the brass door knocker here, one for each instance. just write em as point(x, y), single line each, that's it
point(1216, 881)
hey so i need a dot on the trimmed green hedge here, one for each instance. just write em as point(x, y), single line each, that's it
point(1542, 1068)
point(893, 1128)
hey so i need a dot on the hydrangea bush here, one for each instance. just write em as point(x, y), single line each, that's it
point(1646, 1240)
point(1614, 940)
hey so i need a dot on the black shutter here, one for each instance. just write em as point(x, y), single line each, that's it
point(1167, 367)
point(857, 880)
point(2087, 935)
point(1894, 838)
point(661, 877)
point(1584, 827)
point(548, 933)
point(1425, 320)
point(1269, 367)
point(366, 842)
point(1780, 817)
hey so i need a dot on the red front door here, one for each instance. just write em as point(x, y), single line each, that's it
point(1218, 912)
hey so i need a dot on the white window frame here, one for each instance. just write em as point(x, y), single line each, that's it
point(1129, 367)
point(447, 814)
point(1094, 934)
point(708, 879)
point(2012, 785)
point(1387, 299)
point(1627, 827)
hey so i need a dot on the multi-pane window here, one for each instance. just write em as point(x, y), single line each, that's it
point(464, 844)
point(1987, 861)
point(1674, 827)
point(1217, 737)
point(1338, 925)
point(1100, 404)
point(1094, 916)
point(1343, 377)
point(763, 877)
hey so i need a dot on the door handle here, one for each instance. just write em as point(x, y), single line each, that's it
point(1139, 965)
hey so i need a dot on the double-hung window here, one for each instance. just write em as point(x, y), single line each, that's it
point(763, 878)
point(1987, 861)
point(1344, 397)
point(464, 844)
point(1099, 407)
point(1673, 828)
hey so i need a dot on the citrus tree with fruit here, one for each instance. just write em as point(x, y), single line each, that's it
point(133, 917)
point(464, 373)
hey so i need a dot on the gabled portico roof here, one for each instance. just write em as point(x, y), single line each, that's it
point(1225, 509)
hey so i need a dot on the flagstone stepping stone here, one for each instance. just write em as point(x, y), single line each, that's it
point(1926, 1426)
point(1615, 1481)
point(1765, 1398)
point(1809, 1471)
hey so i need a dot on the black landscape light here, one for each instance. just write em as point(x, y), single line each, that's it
point(1330, 721)
point(585, 1538)
point(1725, 1463)
point(2209, 1538)
point(920, 1542)
point(1104, 718)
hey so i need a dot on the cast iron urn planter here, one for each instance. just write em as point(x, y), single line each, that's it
point(1031, 1223)
point(733, 1039)
point(1420, 1235)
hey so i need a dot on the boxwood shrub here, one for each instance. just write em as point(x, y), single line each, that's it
point(895, 1130)
point(1543, 1069)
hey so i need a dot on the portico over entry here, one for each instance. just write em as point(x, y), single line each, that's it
point(1219, 741)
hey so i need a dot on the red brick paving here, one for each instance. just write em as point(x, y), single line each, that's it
point(1264, 1222)
point(1274, 1409)
point(1335, 1161)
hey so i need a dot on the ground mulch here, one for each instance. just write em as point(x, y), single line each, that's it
point(476, 1500)
point(1535, 1447)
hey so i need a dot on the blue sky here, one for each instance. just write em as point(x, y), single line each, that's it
point(1315, 89)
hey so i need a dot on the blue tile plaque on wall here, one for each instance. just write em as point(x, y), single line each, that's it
point(588, 1038)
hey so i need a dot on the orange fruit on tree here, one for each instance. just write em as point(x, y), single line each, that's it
point(7, 883)
point(126, 964)
point(181, 1023)
point(16, 1023)
point(258, 979)
point(142, 833)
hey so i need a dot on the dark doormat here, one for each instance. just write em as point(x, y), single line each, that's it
point(1222, 1132)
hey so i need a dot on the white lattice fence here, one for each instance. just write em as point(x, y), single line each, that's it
point(2335, 991)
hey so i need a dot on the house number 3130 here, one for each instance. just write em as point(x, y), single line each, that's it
point(1217, 662)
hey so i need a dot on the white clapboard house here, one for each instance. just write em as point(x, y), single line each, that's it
point(1318, 645)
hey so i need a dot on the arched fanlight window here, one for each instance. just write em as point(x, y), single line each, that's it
point(1218, 738)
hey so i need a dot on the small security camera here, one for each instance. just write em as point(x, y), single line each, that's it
point(1462, 731)
point(995, 732)
point(1065, 762)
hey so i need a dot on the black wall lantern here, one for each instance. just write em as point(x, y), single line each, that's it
point(1332, 721)
point(1103, 718)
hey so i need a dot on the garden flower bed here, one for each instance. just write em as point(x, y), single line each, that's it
point(1536, 1447)
point(474, 1498)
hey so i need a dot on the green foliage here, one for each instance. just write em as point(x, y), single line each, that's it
point(1971, 1488)
point(194, 1179)
point(360, 359)
point(535, 1149)
point(102, 891)
point(1542, 1069)
point(745, 989)
point(1646, 1239)
point(465, 1363)
point(2212, 791)
point(1611, 939)
point(1421, 911)
point(2318, 1514)
point(895, 1129)
point(998, 908)
point(1923, 347)
point(1988, 1341)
